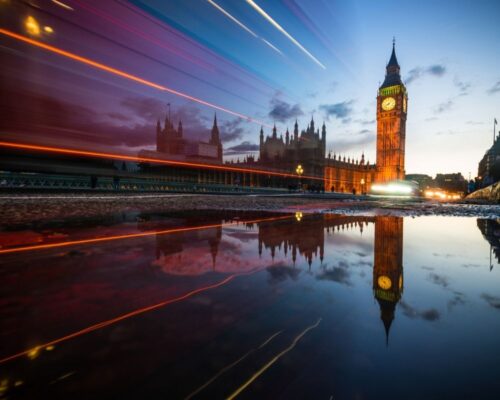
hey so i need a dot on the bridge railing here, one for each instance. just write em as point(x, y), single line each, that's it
point(20, 181)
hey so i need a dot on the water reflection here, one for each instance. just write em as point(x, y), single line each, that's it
point(259, 305)
point(490, 228)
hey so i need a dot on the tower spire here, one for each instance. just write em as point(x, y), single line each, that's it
point(392, 76)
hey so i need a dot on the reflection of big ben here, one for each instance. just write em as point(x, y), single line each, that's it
point(388, 267)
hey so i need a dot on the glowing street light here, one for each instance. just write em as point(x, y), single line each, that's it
point(299, 171)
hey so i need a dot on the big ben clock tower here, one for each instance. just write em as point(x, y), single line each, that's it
point(392, 103)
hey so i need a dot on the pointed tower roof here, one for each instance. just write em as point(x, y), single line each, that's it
point(393, 61)
point(215, 138)
point(387, 309)
point(392, 76)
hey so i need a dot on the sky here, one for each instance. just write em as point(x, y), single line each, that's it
point(257, 63)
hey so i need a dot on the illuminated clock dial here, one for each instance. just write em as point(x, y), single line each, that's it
point(404, 104)
point(384, 282)
point(388, 103)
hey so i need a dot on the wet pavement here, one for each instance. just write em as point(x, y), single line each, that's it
point(250, 305)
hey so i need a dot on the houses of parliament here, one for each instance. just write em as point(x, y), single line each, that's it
point(306, 148)
point(340, 174)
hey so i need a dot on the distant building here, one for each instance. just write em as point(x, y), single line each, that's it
point(307, 148)
point(489, 167)
point(451, 182)
point(424, 181)
point(170, 142)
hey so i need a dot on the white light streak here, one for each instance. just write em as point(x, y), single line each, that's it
point(243, 26)
point(240, 24)
point(61, 4)
point(280, 28)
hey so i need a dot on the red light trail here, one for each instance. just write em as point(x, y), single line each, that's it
point(123, 74)
point(108, 322)
point(87, 153)
point(132, 235)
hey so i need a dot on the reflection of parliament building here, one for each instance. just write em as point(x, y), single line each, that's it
point(306, 147)
point(201, 251)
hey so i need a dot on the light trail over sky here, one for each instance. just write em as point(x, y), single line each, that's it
point(115, 156)
point(243, 26)
point(125, 75)
point(284, 32)
point(218, 60)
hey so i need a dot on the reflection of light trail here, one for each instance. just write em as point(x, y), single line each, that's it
point(233, 364)
point(123, 74)
point(280, 28)
point(134, 313)
point(272, 361)
point(115, 156)
point(243, 26)
point(132, 235)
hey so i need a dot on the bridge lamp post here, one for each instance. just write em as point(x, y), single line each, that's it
point(299, 170)
point(362, 185)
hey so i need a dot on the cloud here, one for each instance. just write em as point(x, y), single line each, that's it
point(130, 124)
point(493, 301)
point(430, 314)
point(147, 108)
point(282, 111)
point(332, 87)
point(457, 300)
point(365, 121)
point(495, 88)
point(340, 111)
point(280, 273)
point(439, 280)
point(231, 130)
point(463, 87)
point(342, 144)
point(436, 70)
point(69, 123)
point(242, 148)
point(474, 123)
point(338, 274)
point(445, 106)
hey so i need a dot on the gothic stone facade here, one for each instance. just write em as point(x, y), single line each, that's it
point(309, 147)
point(171, 142)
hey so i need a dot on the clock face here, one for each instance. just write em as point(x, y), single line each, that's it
point(384, 282)
point(388, 103)
point(404, 104)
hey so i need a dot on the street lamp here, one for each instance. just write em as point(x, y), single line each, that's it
point(299, 170)
point(362, 185)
